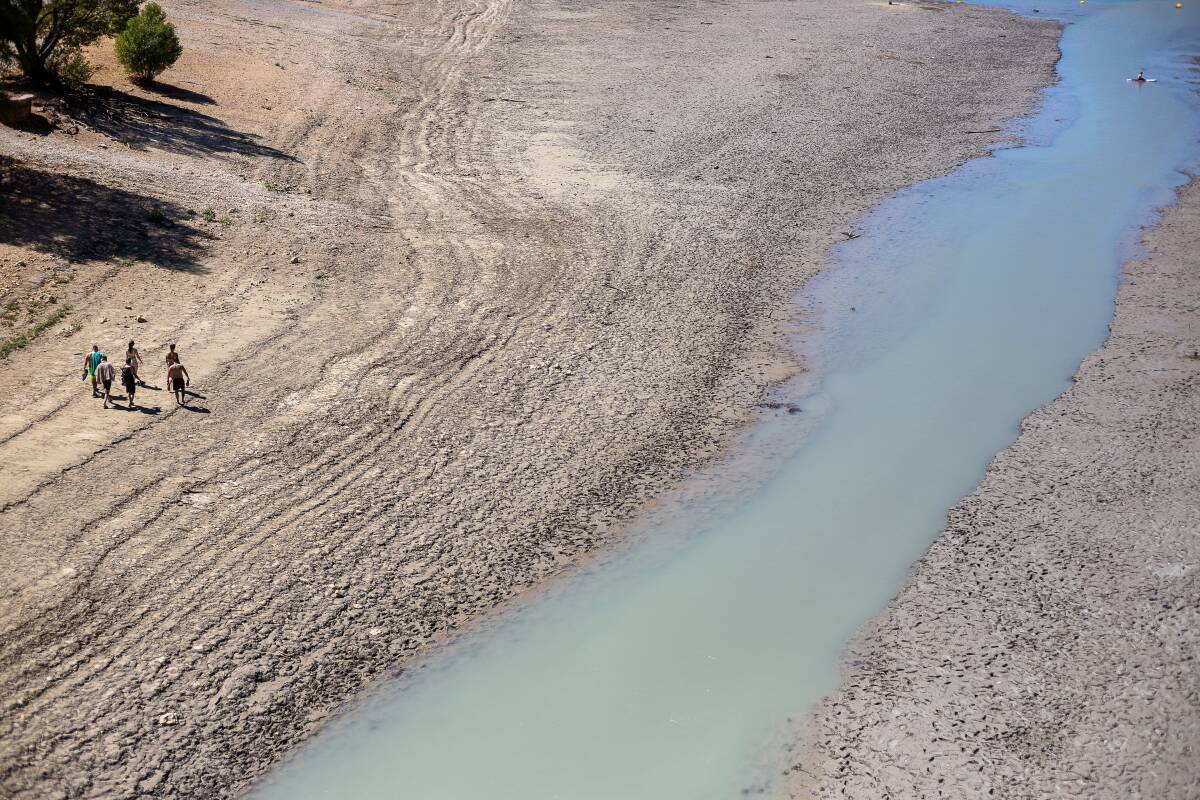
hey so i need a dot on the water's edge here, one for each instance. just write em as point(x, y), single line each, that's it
point(750, 458)
point(516, 665)
point(801, 750)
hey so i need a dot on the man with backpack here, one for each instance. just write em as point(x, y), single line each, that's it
point(129, 379)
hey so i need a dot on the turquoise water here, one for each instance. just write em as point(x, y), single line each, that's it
point(669, 672)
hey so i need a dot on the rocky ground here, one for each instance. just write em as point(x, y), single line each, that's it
point(460, 286)
point(1046, 645)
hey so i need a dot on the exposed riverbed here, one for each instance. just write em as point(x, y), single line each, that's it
point(966, 303)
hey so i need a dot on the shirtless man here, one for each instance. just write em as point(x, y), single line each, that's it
point(177, 379)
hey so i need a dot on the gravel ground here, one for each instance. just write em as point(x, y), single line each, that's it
point(1046, 644)
point(479, 281)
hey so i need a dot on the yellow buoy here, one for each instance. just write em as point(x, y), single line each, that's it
point(1179, 5)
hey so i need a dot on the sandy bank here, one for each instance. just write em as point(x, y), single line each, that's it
point(491, 276)
point(1046, 644)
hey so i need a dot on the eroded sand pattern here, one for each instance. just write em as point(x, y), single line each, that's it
point(493, 275)
point(485, 280)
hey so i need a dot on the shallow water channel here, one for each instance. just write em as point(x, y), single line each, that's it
point(669, 671)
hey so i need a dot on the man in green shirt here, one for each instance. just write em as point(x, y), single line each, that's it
point(91, 362)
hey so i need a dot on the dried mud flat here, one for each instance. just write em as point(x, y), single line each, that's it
point(479, 280)
point(1047, 643)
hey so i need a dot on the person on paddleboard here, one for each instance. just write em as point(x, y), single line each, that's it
point(1141, 76)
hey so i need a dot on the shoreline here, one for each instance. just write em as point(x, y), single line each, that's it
point(1042, 644)
point(598, 305)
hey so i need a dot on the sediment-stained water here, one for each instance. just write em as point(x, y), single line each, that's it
point(968, 302)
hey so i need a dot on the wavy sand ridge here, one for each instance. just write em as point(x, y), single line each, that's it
point(543, 255)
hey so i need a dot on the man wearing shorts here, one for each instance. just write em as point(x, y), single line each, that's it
point(177, 379)
point(129, 379)
point(90, 362)
point(106, 372)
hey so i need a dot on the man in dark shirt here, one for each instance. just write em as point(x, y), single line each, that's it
point(129, 380)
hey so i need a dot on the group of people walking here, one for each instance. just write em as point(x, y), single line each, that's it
point(102, 373)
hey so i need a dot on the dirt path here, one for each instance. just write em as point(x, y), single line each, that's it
point(1045, 646)
point(480, 280)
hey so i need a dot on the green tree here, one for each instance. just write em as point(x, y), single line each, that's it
point(44, 36)
point(148, 45)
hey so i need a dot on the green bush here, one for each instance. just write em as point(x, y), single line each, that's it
point(71, 69)
point(148, 45)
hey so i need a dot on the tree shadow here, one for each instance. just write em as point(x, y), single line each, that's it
point(36, 124)
point(143, 122)
point(79, 219)
point(179, 93)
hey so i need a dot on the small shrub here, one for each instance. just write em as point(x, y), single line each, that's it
point(71, 69)
point(157, 217)
point(148, 45)
point(209, 214)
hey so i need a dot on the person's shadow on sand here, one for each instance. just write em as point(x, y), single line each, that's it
point(190, 395)
point(152, 410)
point(120, 398)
